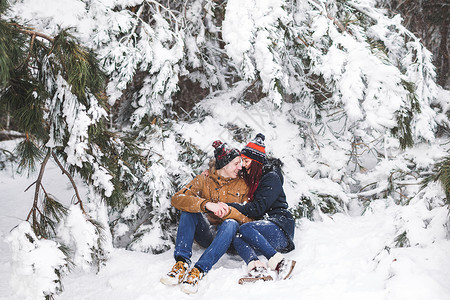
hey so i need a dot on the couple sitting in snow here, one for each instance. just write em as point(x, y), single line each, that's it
point(242, 195)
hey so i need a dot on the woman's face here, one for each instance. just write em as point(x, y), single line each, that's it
point(232, 168)
point(246, 162)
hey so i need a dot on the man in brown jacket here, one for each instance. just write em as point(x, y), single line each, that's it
point(203, 196)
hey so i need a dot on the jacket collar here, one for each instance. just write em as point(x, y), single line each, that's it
point(220, 180)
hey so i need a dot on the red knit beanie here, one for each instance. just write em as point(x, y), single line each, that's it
point(256, 149)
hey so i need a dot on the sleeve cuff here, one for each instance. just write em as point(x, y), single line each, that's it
point(203, 205)
point(228, 214)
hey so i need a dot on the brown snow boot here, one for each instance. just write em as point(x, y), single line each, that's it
point(176, 275)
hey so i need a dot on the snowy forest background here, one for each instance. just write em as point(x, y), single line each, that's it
point(126, 97)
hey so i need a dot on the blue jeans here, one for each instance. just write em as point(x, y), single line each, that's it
point(259, 237)
point(195, 226)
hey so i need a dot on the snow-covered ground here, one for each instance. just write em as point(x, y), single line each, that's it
point(341, 257)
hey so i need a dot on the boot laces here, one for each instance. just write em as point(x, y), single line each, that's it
point(177, 268)
point(193, 276)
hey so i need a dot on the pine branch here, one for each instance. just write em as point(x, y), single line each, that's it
point(30, 186)
point(338, 23)
point(159, 5)
point(303, 41)
point(36, 193)
point(329, 16)
point(64, 171)
point(25, 63)
point(32, 32)
point(441, 173)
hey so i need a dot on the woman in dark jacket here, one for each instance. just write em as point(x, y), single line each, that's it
point(272, 232)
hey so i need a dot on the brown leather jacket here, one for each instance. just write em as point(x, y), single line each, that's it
point(202, 189)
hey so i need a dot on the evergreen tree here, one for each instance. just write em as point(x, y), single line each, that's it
point(53, 87)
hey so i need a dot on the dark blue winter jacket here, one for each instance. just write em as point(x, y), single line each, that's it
point(269, 201)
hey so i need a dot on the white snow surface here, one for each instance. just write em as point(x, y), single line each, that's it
point(345, 256)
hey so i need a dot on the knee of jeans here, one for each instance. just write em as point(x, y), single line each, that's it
point(231, 224)
point(245, 227)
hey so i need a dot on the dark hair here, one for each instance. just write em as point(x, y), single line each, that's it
point(252, 177)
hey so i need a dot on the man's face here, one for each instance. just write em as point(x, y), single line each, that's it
point(233, 167)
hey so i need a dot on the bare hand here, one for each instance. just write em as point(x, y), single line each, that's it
point(205, 173)
point(225, 209)
point(219, 209)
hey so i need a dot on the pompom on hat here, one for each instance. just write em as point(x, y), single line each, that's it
point(256, 149)
point(223, 154)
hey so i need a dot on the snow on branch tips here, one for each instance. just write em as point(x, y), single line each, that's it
point(254, 35)
point(38, 264)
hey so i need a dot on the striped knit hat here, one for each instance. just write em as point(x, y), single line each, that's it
point(223, 154)
point(256, 150)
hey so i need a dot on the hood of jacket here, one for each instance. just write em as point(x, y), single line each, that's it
point(273, 165)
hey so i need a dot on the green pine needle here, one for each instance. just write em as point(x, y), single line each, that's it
point(54, 209)
point(3, 6)
point(402, 240)
point(441, 173)
point(29, 155)
point(79, 66)
point(12, 52)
